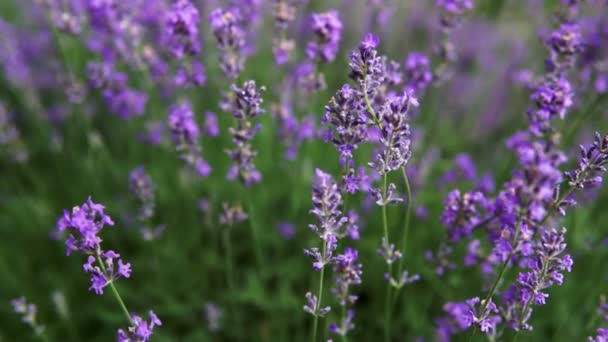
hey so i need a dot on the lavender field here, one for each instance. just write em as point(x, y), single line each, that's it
point(303, 170)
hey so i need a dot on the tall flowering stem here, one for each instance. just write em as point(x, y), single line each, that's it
point(28, 312)
point(327, 200)
point(185, 134)
point(245, 104)
point(83, 226)
point(532, 197)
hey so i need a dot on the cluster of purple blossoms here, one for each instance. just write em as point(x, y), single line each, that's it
point(66, 16)
point(395, 133)
point(213, 316)
point(245, 105)
point(306, 78)
point(120, 98)
point(185, 135)
point(417, 72)
point(142, 189)
point(545, 268)
point(551, 98)
point(181, 31)
point(462, 316)
point(601, 333)
point(85, 224)
point(452, 11)
point(141, 186)
point(591, 165)
point(182, 39)
point(232, 215)
point(10, 139)
point(284, 12)
point(347, 118)
point(565, 43)
point(463, 213)
point(348, 274)
point(140, 330)
point(441, 259)
point(463, 170)
point(293, 131)
point(595, 55)
point(28, 312)
point(153, 133)
point(530, 198)
point(326, 201)
point(230, 40)
point(327, 27)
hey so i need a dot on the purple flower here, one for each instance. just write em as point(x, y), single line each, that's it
point(230, 40)
point(545, 268)
point(312, 308)
point(565, 43)
point(591, 165)
point(395, 134)
point(141, 186)
point(86, 222)
point(286, 230)
point(552, 98)
point(327, 27)
point(122, 100)
point(232, 215)
point(185, 134)
point(463, 212)
point(213, 315)
point(10, 139)
point(347, 117)
point(465, 314)
point(326, 200)
point(452, 11)
point(190, 75)
point(284, 12)
point(245, 105)
point(181, 30)
point(153, 133)
point(28, 312)
point(140, 330)
point(417, 72)
point(211, 126)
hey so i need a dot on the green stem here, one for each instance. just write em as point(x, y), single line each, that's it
point(408, 214)
point(387, 301)
point(228, 258)
point(319, 297)
point(121, 303)
point(254, 232)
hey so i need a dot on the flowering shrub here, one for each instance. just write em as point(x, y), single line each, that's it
point(300, 169)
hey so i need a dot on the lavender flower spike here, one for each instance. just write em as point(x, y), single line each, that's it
point(245, 105)
point(27, 311)
point(230, 40)
point(328, 30)
point(185, 134)
point(140, 330)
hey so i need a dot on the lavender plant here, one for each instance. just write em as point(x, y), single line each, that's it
point(463, 126)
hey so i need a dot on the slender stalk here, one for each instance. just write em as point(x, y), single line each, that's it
point(254, 233)
point(228, 258)
point(121, 303)
point(319, 297)
point(387, 301)
point(408, 213)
